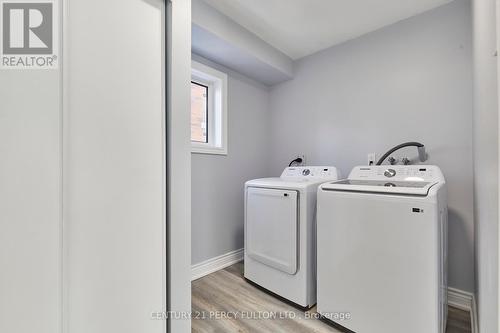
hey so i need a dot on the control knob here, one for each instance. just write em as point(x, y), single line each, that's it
point(390, 173)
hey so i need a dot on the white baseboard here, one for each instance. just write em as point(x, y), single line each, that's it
point(214, 264)
point(466, 301)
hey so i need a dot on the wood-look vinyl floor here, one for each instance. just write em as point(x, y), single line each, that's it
point(224, 302)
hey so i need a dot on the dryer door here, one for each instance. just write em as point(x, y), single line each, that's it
point(271, 227)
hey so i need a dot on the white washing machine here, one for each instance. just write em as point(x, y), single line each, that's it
point(280, 244)
point(382, 250)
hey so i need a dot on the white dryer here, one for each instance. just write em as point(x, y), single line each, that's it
point(280, 242)
point(382, 250)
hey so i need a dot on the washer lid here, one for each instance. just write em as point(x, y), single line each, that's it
point(380, 186)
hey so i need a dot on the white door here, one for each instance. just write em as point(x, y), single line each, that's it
point(115, 169)
point(271, 227)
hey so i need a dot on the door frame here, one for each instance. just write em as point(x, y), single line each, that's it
point(178, 164)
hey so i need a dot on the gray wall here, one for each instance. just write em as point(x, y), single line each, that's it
point(217, 180)
point(486, 163)
point(408, 81)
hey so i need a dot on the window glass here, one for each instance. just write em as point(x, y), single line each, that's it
point(199, 112)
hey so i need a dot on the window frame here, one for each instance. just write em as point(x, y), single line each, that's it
point(216, 81)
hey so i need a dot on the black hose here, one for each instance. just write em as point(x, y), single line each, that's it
point(420, 147)
point(297, 160)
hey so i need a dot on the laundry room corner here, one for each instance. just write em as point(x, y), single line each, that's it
point(409, 81)
point(218, 179)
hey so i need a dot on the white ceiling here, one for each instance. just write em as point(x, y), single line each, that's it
point(302, 27)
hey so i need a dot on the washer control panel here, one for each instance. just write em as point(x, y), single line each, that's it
point(397, 173)
point(310, 172)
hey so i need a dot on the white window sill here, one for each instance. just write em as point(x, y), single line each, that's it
point(208, 150)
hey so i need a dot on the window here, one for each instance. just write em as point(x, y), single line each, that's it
point(208, 110)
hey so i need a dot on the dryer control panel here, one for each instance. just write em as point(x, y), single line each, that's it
point(310, 172)
point(414, 173)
